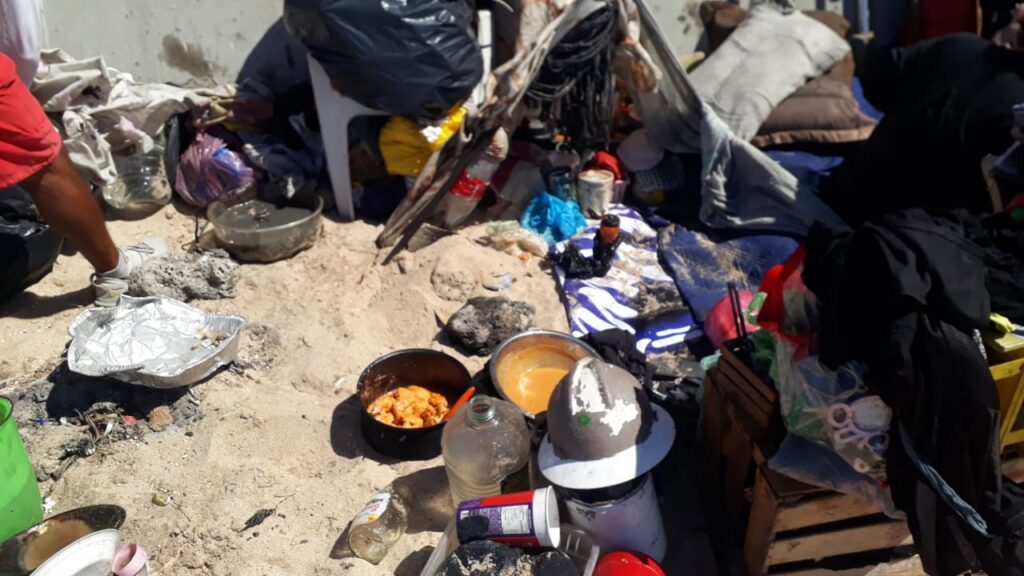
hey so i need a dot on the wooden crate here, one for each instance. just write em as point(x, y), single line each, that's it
point(781, 521)
point(791, 522)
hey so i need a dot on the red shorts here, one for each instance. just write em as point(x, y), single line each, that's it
point(28, 142)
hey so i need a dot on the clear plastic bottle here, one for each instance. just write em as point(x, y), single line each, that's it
point(141, 182)
point(486, 448)
point(381, 523)
point(469, 189)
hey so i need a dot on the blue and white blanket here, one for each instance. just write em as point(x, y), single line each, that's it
point(599, 304)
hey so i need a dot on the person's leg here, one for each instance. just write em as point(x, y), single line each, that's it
point(66, 204)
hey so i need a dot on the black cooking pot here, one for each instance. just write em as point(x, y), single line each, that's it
point(435, 371)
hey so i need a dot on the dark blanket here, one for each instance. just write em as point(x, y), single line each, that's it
point(947, 103)
point(702, 268)
point(902, 293)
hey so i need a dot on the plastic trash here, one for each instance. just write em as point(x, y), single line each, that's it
point(486, 448)
point(208, 168)
point(379, 525)
point(141, 182)
point(406, 146)
point(416, 58)
point(552, 218)
point(510, 237)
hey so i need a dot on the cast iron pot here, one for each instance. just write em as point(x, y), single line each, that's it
point(435, 371)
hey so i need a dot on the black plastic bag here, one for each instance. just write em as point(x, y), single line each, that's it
point(416, 58)
point(28, 248)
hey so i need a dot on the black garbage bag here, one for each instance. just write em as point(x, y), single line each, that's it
point(28, 248)
point(416, 58)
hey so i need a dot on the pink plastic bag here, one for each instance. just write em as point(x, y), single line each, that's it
point(208, 168)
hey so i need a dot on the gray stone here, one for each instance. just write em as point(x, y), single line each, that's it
point(484, 323)
point(209, 275)
point(450, 282)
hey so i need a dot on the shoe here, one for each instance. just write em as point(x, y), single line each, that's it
point(110, 286)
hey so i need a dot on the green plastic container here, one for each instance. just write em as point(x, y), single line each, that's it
point(21, 507)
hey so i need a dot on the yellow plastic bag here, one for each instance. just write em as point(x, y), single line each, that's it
point(406, 146)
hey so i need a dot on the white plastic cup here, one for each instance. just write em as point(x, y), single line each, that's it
point(596, 191)
point(629, 523)
point(520, 520)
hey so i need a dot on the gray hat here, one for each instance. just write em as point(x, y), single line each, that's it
point(602, 429)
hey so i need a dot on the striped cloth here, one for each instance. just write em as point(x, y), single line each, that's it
point(615, 301)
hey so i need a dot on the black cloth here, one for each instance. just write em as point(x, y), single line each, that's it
point(902, 293)
point(1002, 243)
point(947, 103)
point(28, 248)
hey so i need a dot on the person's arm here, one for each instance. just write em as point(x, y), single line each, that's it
point(21, 34)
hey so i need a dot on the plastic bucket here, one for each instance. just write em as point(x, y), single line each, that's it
point(520, 520)
point(632, 522)
point(21, 506)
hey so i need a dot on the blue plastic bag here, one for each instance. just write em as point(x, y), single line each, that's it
point(552, 218)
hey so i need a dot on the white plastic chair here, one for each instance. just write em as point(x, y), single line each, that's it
point(336, 112)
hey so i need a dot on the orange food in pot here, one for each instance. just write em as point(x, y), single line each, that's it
point(409, 407)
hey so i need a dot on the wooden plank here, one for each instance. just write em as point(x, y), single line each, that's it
point(742, 387)
point(738, 462)
point(757, 414)
point(851, 540)
point(714, 429)
point(822, 510)
point(760, 527)
point(732, 360)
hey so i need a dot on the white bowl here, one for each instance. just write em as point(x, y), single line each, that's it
point(91, 555)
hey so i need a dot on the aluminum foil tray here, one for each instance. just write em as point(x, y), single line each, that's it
point(154, 342)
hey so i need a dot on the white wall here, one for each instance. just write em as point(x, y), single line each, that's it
point(173, 40)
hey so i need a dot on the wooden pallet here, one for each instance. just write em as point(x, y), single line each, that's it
point(782, 521)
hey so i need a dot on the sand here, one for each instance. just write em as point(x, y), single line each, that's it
point(284, 433)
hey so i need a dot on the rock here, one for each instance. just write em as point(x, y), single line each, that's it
point(450, 282)
point(499, 282)
point(483, 323)
point(188, 276)
point(160, 418)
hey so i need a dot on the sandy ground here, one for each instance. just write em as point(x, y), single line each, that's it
point(285, 434)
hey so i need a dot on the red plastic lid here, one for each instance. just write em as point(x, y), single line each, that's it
point(627, 564)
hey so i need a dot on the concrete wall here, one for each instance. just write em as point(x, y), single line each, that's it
point(174, 40)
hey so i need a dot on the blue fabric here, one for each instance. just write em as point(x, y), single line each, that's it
point(703, 268)
point(599, 304)
point(553, 218)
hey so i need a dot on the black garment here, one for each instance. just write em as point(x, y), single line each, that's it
point(947, 103)
point(1002, 243)
point(28, 248)
point(901, 294)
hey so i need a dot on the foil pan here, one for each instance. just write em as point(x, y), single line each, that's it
point(153, 342)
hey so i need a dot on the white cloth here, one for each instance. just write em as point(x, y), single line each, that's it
point(104, 111)
point(766, 59)
point(21, 35)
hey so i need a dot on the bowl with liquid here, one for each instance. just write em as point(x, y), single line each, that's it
point(526, 368)
point(257, 230)
point(24, 553)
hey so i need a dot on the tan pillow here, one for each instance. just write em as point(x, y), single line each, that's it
point(823, 111)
